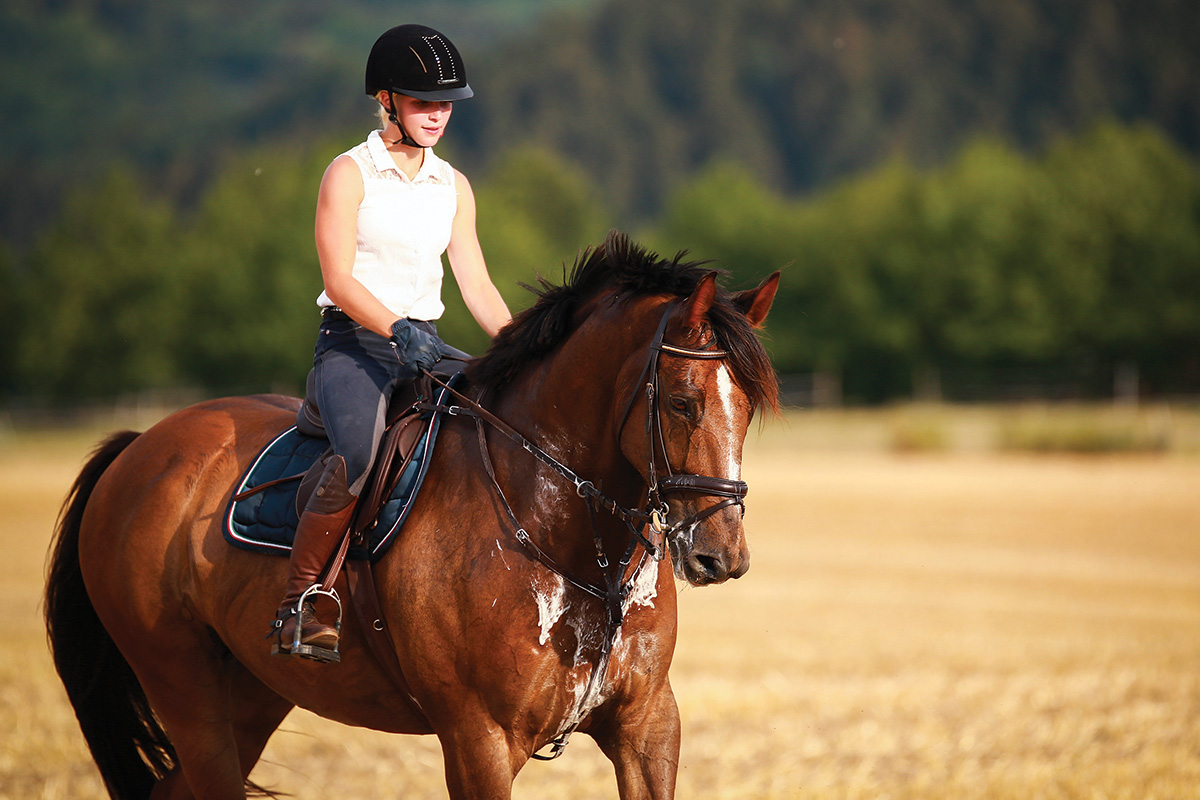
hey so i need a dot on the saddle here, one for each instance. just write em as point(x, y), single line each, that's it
point(297, 456)
point(270, 497)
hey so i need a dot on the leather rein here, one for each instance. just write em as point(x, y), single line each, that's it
point(614, 591)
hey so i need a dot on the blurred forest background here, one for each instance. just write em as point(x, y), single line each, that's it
point(969, 199)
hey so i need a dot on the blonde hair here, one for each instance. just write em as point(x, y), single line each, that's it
point(382, 109)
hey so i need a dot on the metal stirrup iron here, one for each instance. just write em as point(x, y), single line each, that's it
point(311, 652)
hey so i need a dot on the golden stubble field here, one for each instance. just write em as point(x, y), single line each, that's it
point(959, 623)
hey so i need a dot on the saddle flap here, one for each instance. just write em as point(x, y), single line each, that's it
point(396, 452)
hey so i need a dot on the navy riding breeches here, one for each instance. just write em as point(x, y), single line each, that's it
point(355, 374)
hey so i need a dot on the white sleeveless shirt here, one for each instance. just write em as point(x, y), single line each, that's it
point(403, 229)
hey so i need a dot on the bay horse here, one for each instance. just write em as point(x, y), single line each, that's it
point(526, 598)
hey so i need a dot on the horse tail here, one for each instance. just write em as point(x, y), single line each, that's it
point(127, 742)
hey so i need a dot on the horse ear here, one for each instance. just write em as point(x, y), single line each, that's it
point(755, 303)
point(701, 300)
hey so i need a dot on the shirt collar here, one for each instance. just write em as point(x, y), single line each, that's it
point(383, 160)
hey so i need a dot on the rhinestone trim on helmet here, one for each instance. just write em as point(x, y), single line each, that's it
point(441, 56)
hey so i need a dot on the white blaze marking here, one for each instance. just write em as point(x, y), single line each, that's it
point(725, 391)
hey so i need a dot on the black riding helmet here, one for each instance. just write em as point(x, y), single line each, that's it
point(419, 62)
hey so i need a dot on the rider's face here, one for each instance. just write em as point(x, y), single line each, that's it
point(423, 120)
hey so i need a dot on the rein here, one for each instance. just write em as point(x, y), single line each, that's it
point(614, 591)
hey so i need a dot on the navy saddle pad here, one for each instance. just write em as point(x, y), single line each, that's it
point(265, 522)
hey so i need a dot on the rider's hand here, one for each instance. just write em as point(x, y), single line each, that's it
point(414, 346)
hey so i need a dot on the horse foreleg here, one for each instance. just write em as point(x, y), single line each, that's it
point(642, 742)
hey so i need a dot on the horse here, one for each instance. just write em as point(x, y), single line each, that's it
point(531, 594)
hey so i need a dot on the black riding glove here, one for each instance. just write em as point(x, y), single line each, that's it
point(414, 346)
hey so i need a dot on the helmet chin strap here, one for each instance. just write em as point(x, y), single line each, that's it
point(404, 139)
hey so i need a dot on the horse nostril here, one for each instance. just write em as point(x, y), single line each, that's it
point(707, 569)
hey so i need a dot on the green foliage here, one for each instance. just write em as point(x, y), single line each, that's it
point(802, 94)
point(251, 275)
point(174, 87)
point(101, 300)
point(535, 213)
point(1090, 254)
point(715, 212)
point(1071, 262)
point(13, 289)
point(135, 296)
point(1134, 201)
point(638, 94)
point(127, 297)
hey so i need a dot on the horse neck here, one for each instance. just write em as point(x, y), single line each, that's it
point(570, 403)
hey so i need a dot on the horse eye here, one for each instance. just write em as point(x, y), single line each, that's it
point(678, 404)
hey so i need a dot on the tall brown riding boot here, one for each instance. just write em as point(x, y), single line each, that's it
point(318, 534)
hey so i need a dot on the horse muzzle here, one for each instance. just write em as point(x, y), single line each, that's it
point(706, 549)
point(701, 568)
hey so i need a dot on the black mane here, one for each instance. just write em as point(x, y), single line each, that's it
point(630, 269)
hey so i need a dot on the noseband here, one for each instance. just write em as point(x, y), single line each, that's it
point(615, 590)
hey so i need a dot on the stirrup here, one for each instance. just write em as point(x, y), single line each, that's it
point(313, 653)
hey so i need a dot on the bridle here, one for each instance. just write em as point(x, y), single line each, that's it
point(733, 491)
point(614, 591)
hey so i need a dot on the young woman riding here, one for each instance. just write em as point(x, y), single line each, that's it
point(386, 211)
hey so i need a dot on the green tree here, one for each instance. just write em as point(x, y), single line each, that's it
point(727, 216)
point(1133, 210)
point(535, 212)
point(106, 294)
point(1084, 257)
point(988, 236)
point(863, 257)
point(251, 275)
point(13, 284)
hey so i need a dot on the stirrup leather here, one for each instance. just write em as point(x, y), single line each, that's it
point(311, 652)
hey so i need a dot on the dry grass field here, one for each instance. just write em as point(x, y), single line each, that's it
point(929, 615)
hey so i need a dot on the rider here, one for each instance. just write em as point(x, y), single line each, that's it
point(386, 211)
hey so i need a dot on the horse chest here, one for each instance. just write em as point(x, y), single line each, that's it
point(571, 631)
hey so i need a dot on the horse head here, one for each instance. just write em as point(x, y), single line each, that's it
point(702, 383)
point(669, 364)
